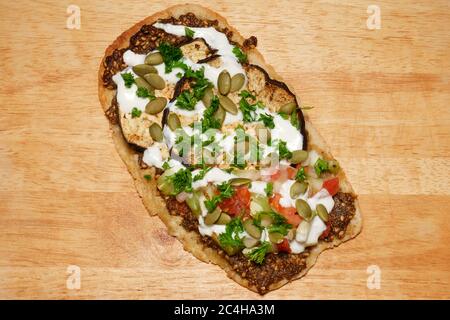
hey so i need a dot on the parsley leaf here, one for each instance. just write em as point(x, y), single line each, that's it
point(269, 189)
point(170, 55)
point(142, 92)
point(208, 120)
point(189, 32)
point(258, 254)
point(241, 56)
point(148, 177)
point(230, 238)
point(128, 78)
point(267, 119)
point(226, 191)
point(248, 110)
point(186, 100)
point(135, 113)
point(246, 94)
point(201, 174)
point(320, 166)
point(166, 165)
point(283, 150)
point(182, 181)
point(300, 176)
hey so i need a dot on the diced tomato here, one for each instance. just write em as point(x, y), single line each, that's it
point(326, 232)
point(283, 174)
point(284, 246)
point(238, 204)
point(289, 213)
point(332, 185)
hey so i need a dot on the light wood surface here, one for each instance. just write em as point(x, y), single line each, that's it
point(381, 101)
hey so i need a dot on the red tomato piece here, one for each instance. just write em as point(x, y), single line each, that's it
point(289, 213)
point(326, 232)
point(238, 204)
point(284, 173)
point(284, 246)
point(332, 185)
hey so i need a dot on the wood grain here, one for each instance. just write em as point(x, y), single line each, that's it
point(381, 100)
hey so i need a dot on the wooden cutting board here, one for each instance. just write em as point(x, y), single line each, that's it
point(381, 100)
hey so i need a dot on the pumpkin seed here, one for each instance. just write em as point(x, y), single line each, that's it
point(322, 212)
point(224, 82)
point(207, 97)
point(297, 189)
point(154, 58)
point(173, 121)
point(156, 106)
point(143, 69)
point(288, 108)
point(303, 209)
point(266, 221)
point(142, 83)
point(298, 156)
point(155, 81)
point(252, 229)
point(250, 242)
point(194, 204)
point(228, 105)
point(276, 237)
point(237, 81)
point(223, 219)
point(165, 185)
point(212, 217)
point(333, 166)
point(239, 181)
point(220, 115)
point(156, 132)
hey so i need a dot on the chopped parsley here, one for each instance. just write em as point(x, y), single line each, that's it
point(226, 191)
point(320, 166)
point(135, 113)
point(269, 189)
point(170, 54)
point(230, 238)
point(241, 56)
point(182, 181)
point(201, 174)
point(208, 120)
point(300, 176)
point(128, 78)
point(283, 150)
point(166, 165)
point(142, 92)
point(186, 100)
point(246, 94)
point(267, 119)
point(285, 116)
point(189, 32)
point(258, 254)
point(148, 177)
point(248, 110)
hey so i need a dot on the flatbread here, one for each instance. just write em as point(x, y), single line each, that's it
point(147, 190)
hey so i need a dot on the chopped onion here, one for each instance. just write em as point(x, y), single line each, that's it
point(182, 196)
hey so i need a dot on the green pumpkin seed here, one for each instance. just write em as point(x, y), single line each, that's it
point(143, 69)
point(288, 108)
point(142, 83)
point(262, 133)
point(156, 106)
point(322, 212)
point(237, 81)
point(252, 229)
point(155, 81)
point(156, 132)
point(276, 237)
point(333, 166)
point(207, 97)
point(228, 105)
point(173, 122)
point(297, 189)
point(224, 82)
point(212, 217)
point(250, 242)
point(165, 185)
point(298, 156)
point(154, 58)
point(266, 221)
point(220, 115)
point(194, 204)
point(239, 181)
point(303, 209)
point(223, 219)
